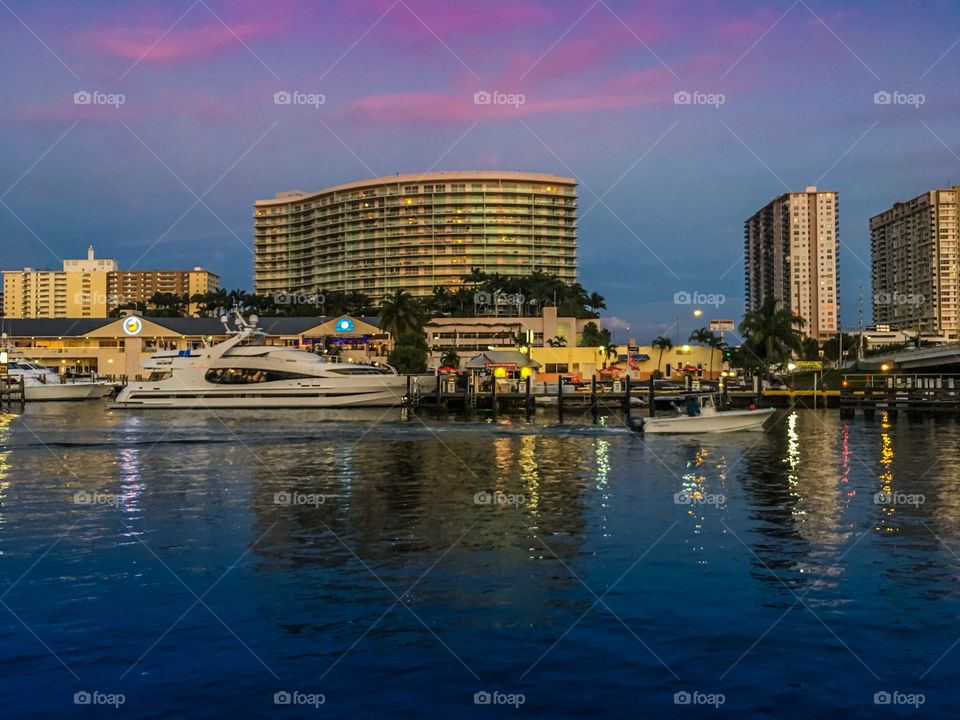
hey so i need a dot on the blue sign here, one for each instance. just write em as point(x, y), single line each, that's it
point(344, 325)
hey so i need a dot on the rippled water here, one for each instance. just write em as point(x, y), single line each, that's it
point(184, 582)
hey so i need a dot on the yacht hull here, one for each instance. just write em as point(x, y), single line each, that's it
point(64, 391)
point(329, 396)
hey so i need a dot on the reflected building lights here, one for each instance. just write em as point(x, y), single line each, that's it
point(131, 485)
point(885, 477)
point(5, 420)
point(503, 451)
point(693, 486)
point(529, 471)
point(603, 479)
point(792, 459)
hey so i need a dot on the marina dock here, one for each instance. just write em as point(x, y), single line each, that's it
point(12, 395)
point(917, 393)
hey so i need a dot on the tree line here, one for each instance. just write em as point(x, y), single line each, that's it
point(772, 337)
point(527, 295)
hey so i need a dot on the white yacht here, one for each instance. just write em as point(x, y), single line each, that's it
point(242, 372)
point(41, 383)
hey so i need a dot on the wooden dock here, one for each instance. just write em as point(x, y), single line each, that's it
point(625, 397)
point(894, 393)
point(12, 394)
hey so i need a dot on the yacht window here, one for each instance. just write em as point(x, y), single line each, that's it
point(245, 376)
point(158, 375)
point(359, 371)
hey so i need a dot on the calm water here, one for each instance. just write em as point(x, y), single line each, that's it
point(189, 587)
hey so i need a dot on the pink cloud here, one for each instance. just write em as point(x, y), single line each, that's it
point(199, 33)
point(643, 88)
point(449, 19)
point(179, 44)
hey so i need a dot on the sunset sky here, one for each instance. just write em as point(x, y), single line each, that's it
point(167, 179)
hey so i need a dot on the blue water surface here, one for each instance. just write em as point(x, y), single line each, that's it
point(196, 565)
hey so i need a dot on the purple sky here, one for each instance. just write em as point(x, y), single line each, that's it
point(797, 81)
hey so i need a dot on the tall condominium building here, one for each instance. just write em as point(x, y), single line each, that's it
point(415, 232)
point(790, 255)
point(914, 259)
point(92, 287)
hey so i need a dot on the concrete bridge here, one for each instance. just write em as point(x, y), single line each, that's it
point(937, 359)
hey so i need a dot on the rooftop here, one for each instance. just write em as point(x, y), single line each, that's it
point(509, 175)
point(194, 327)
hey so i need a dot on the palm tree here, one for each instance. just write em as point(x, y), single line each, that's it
point(661, 342)
point(609, 351)
point(596, 302)
point(450, 358)
point(400, 314)
point(557, 341)
point(441, 300)
point(707, 338)
point(476, 278)
point(169, 304)
point(771, 334)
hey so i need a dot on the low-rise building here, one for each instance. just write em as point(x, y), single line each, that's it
point(637, 361)
point(470, 335)
point(107, 347)
point(94, 287)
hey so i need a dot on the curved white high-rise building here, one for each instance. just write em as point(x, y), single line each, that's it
point(415, 232)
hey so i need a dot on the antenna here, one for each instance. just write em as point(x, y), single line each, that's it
point(860, 339)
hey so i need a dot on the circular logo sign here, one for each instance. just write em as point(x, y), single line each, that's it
point(132, 325)
point(344, 325)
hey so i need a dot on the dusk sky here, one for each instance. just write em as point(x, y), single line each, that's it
point(167, 179)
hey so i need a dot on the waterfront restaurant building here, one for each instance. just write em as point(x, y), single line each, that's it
point(103, 346)
point(415, 232)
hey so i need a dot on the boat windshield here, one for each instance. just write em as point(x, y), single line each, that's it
point(23, 365)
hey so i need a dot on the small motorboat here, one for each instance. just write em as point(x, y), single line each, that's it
point(41, 383)
point(702, 416)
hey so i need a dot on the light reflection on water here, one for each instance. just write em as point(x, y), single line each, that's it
point(501, 586)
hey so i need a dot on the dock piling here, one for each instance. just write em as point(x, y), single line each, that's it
point(651, 397)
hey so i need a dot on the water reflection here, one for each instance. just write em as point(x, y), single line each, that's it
point(806, 505)
point(421, 492)
point(131, 484)
point(887, 521)
point(5, 420)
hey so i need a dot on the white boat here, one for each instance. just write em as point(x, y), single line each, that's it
point(242, 372)
point(708, 420)
point(584, 399)
point(41, 383)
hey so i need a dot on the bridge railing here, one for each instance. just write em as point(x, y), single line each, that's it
point(854, 382)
